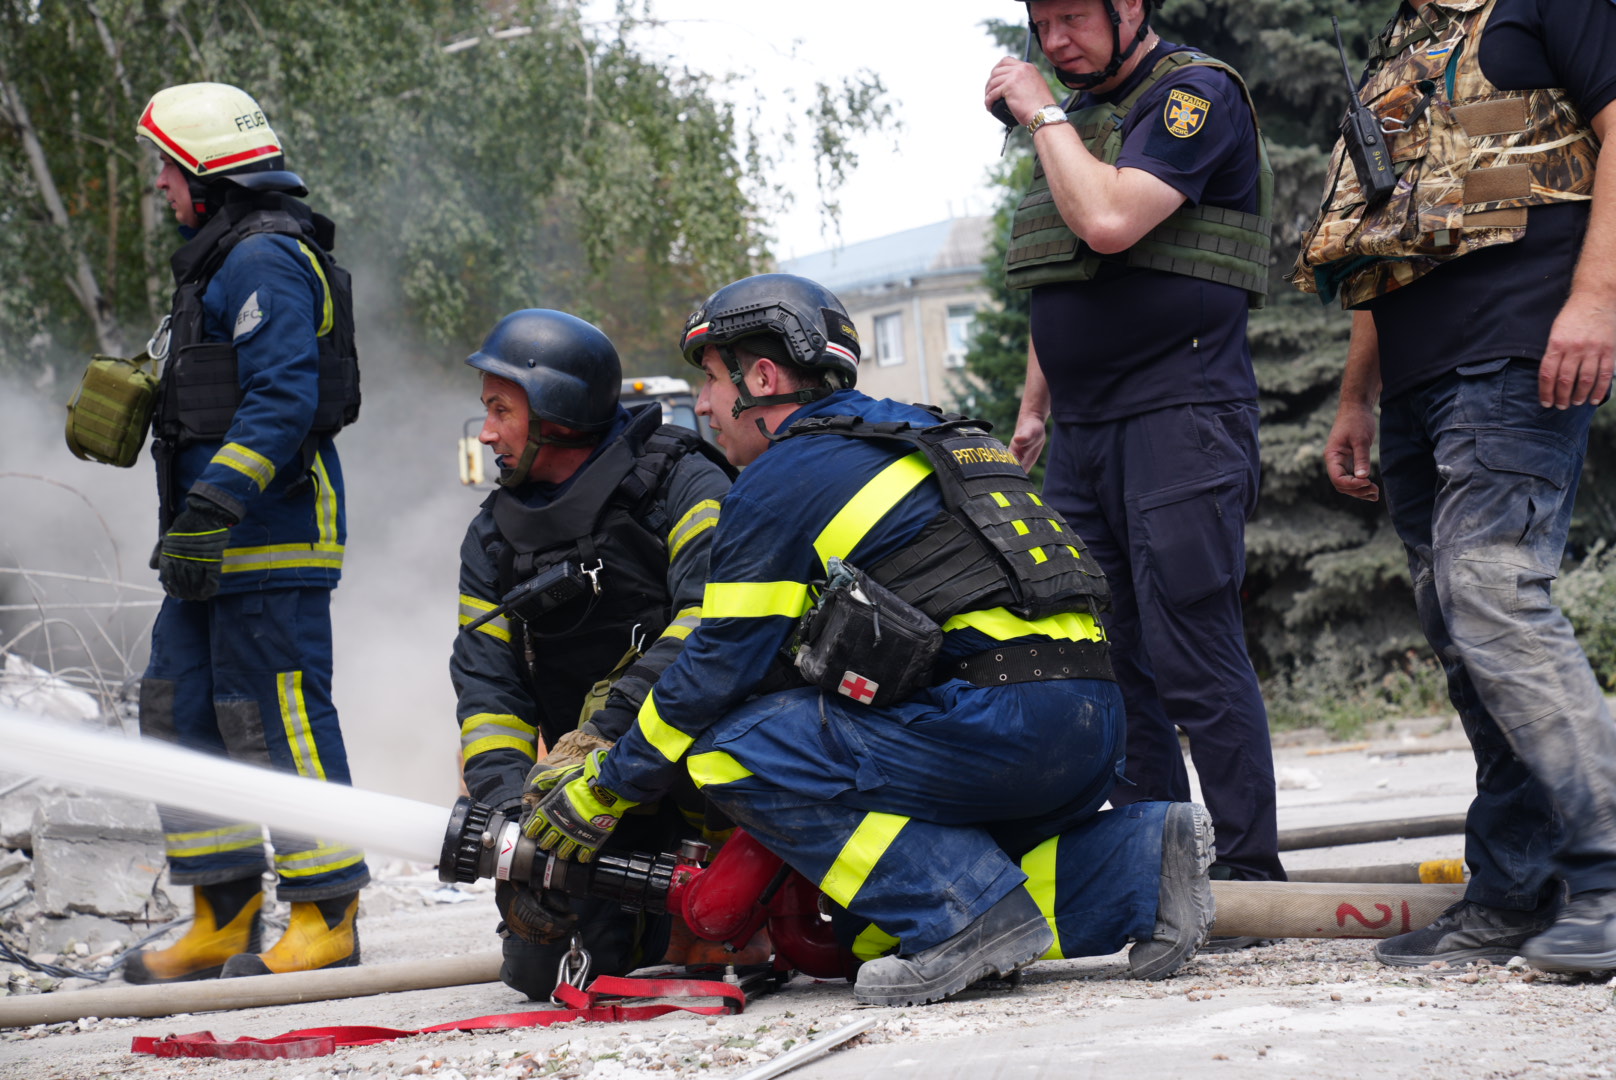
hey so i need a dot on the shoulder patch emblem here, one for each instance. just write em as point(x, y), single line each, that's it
point(1184, 114)
point(248, 318)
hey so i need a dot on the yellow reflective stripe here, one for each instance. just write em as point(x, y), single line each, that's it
point(482, 732)
point(322, 859)
point(716, 767)
point(684, 622)
point(283, 557)
point(295, 719)
point(704, 515)
point(476, 721)
point(860, 854)
point(1036, 501)
point(999, 497)
point(497, 627)
point(246, 461)
point(328, 316)
point(498, 742)
point(670, 742)
point(872, 942)
point(754, 599)
point(1021, 527)
point(325, 502)
point(213, 841)
point(1038, 555)
point(872, 503)
point(1001, 625)
point(1039, 866)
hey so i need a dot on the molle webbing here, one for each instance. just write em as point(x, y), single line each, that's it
point(1226, 246)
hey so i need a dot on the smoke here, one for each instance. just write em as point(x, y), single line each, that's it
point(394, 615)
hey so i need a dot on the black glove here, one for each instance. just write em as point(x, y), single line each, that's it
point(539, 918)
point(191, 556)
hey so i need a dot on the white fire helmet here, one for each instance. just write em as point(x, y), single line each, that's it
point(209, 128)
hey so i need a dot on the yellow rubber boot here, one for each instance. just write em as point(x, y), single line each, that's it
point(226, 924)
point(321, 934)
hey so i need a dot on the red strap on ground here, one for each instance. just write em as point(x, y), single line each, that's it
point(599, 1002)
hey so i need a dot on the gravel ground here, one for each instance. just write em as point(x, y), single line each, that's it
point(1292, 1009)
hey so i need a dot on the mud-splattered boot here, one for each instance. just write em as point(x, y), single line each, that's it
point(321, 934)
point(226, 924)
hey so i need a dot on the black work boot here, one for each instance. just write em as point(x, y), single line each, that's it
point(1008, 936)
point(1465, 932)
point(1184, 908)
point(1583, 938)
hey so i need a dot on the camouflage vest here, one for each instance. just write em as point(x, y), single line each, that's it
point(1208, 242)
point(1470, 158)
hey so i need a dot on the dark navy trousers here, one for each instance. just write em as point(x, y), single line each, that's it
point(1161, 499)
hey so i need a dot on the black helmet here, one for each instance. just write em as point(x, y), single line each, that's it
point(1088, 79)
point(788, 319)
point(567, 368)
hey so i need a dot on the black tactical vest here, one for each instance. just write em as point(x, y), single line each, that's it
point(995, 543)
point(200, 391)
point(613, 516)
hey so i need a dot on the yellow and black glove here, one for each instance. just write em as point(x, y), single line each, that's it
point(575, 816)
point(191, 556)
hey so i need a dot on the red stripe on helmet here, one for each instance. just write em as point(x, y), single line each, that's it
point(245, 155)
point(698, 332)
point(173, 147)
point(831, 346)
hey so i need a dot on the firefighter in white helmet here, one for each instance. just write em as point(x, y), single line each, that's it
point(258, 373)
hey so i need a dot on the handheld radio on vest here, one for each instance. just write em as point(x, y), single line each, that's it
point(1001, 109)
point(1363, 139)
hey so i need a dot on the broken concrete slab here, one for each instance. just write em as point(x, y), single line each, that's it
point(60, 935)
point(17, 809)
point(96, 857)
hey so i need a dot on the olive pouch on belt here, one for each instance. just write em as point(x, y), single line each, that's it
point(863, 642)
point(110, 413)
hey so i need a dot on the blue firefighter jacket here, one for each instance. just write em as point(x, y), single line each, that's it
point(270, 299)
point(802, 501)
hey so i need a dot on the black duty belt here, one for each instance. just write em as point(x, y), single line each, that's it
point(1032, 663)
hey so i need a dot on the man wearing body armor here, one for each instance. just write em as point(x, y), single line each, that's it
point(1483, 290)
point(606, 517)
point(1144, 241)
point(960, 708)
point(258, 373)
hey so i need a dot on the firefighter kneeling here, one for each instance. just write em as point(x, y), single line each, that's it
point(942, 782)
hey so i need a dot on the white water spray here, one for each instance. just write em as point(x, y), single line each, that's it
point(161, 772)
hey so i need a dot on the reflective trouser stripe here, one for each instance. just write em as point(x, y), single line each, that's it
point(476, 738)
point(1039, 866)
point(246, 461)
point(872, 502)
point(669, 741)
point(323, 858)
point(213, 841)
point(1001, 625)
point(859, 855)
point(702, 516)
point(471, 608)
point(716, 767)
point(283, 557)
point(754, 599)
point(295, 719)
point(872, 942)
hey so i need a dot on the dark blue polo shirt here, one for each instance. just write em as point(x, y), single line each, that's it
point(1132, 340)
point(1502, 300)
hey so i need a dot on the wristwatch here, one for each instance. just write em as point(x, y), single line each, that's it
point(1049, 114)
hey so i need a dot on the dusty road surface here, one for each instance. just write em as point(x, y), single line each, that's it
point(1294, 1009)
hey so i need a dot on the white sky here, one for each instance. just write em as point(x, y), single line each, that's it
point(933, 57)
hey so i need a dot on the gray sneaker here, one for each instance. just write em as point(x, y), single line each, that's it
point(1184, 908)
point(1008, 936)
point(1465, 932)
point(1583, 938)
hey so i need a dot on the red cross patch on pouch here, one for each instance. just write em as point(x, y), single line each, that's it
point(858, 687)
point(1185, 113)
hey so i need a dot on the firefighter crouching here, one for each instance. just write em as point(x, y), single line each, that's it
point(959, 708)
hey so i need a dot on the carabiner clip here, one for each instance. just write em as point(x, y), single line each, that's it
point(593, 574)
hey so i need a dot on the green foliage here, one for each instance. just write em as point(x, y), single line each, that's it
point(1330, 618)
point(476, 160)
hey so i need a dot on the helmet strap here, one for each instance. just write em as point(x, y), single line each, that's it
point(1090, 79)
point(745, 400)
point(516, 475)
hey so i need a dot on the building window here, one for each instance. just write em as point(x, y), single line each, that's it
point(888, 340)
point(961, 321)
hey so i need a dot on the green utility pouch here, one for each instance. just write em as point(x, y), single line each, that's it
point(110, 412)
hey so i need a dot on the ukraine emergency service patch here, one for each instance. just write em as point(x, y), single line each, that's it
point(1184, 114)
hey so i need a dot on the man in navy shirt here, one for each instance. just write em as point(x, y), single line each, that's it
point(1488, 347)
point(1144, 240)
